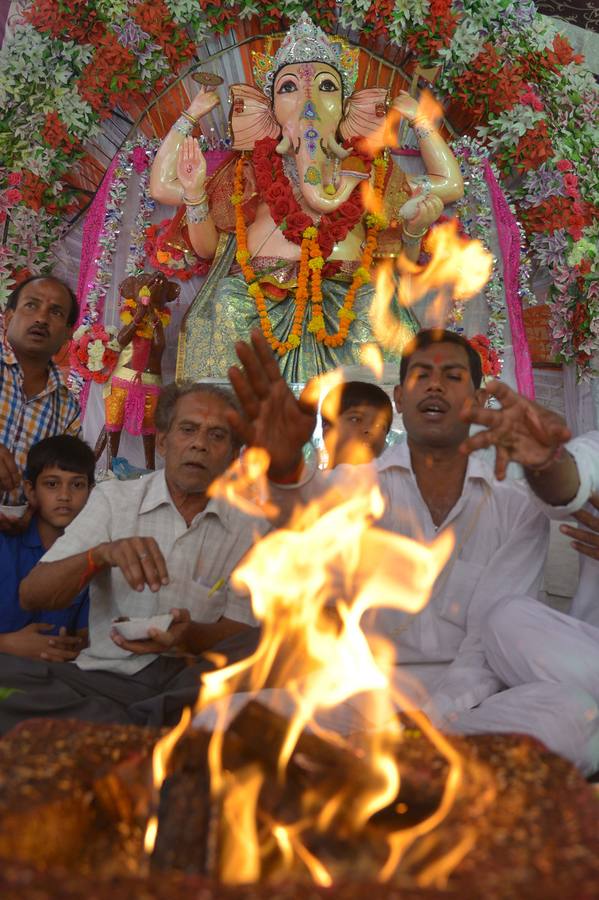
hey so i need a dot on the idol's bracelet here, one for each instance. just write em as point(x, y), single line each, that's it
point(423, 182)
point(183, 125)
point(411, 240)
point(197, 211)
point(422, 126)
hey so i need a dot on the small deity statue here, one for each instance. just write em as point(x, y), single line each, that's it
point(131, 395)
point(312, 199)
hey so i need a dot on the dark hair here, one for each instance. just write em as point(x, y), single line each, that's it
point(172, 393)
point(353, 393)
point(14, 295)
point(64, 451)
point(430, 336)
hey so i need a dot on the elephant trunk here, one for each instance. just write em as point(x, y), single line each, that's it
point(313, 159)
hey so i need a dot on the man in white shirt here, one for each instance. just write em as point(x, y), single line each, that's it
point(563, 475)
point(428, 485)
point(154, 545)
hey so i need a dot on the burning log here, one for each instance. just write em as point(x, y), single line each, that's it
point(321, 781)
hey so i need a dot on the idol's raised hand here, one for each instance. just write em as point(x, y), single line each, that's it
point(522, 431)
point(274, 419)
point(191, 169)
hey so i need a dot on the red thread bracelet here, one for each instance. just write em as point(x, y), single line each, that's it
point(92, 568)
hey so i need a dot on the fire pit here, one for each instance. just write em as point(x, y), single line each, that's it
point(73, 808)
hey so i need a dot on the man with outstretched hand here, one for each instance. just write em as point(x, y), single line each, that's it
point(428, 486)
point(562, 473)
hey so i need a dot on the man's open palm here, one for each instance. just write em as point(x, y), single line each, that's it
point(273, 418)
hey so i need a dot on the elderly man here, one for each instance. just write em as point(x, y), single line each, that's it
point(34, 402)
point(154, 545)
point(429, 486)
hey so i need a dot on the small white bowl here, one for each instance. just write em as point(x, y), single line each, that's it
point(137, 629)
point(13, 512)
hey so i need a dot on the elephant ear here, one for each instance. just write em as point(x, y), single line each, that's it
point(364, 113)
point(251, 117)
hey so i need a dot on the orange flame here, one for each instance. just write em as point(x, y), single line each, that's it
point(371, 356)
point(311, 585)
point(246, 485)
point(458, 269)
point(387, 328)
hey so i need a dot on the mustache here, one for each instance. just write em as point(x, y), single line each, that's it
point(40, 327)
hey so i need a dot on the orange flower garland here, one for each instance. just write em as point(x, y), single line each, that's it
point(310, 266)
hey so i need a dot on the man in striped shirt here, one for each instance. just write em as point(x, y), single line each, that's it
point(34, 401)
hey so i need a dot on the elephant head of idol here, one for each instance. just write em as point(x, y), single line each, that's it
point(305, 99)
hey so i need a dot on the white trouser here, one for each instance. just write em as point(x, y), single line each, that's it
point(550, 664)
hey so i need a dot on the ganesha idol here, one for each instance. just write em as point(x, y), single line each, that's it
point(285, 222)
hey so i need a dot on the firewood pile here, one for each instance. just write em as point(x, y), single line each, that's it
point(75, 799)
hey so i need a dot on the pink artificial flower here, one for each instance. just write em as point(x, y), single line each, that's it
point(564, 165)
point(15, 178)
point(140, 160)
point(577, 209)
point(12, 196)
point(531, 99)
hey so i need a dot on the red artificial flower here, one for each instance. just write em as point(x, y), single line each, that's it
point(584, 266)
point(14, 178)
point(111, 77)
point(571, 185)
point(531, 99)
point(489, 85)
point(33, 189)
point(557, 212)
point(491, 363)
point(533, 148)
point(564, 165)
point(563, 51)
point(154, 17)
point(75, 20)
point(56, 135)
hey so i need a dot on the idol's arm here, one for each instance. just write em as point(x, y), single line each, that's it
point(443, 179)
point(164, 182)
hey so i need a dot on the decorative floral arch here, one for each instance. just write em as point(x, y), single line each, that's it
point(506, 78)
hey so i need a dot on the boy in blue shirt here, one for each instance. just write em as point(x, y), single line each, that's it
point(58, 479)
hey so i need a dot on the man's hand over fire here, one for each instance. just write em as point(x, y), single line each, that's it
point(522, 431)
point(274, 419)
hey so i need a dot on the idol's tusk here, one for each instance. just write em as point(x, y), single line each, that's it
point(284, 145)
point(336, 148)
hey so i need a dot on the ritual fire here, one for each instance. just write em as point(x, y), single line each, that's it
point(297, 751)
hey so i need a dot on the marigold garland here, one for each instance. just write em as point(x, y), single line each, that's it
point(312, 260)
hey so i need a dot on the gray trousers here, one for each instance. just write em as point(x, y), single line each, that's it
point(154, 696)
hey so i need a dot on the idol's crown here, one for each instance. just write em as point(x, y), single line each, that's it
point(305, 42)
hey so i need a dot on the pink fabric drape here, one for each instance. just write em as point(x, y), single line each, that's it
point(509, 244)
point(90, 250)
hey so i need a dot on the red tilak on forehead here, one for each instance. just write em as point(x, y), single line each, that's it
point(306, 72)
point(437, 358)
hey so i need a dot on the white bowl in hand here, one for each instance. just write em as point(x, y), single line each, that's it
point(137, 629)
point(13, 512)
